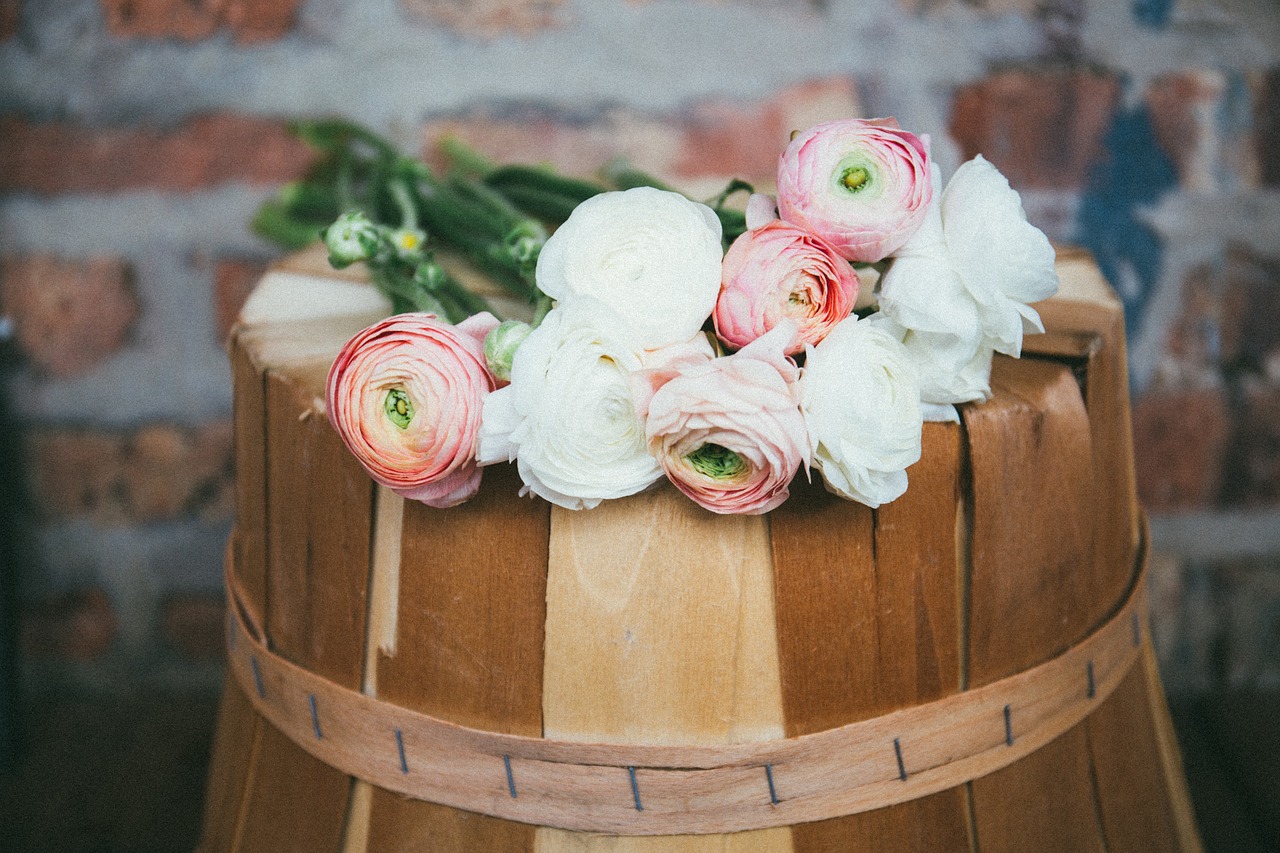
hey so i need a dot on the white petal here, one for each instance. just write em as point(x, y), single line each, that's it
point(940, 413)
point(924, 292)
point(499, 419)
point(652, 256)
point(950, 371)
point(761, 210)
point(1002, 258)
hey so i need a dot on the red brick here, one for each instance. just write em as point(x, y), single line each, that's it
point(573, 148)
point(1042, 127)
point(68, 315)
point(488, 18)
point(1250, 304)
point(990, 7)
point(744, 140)
point(1253, 459)
point(1267, 121)
point(233, 280)
point(1193, 352)
point(1180, 440)
point(255, 21)
point(249, 20)
point(158, 472)
point(10, 17)
point(705, 145)
point(59, 157)
point(194, 625)
point(1184, 110)
point(78, 626)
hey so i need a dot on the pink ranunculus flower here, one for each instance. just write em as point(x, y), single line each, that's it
point(406, 396)
point(728, 432)
point(862, 185)
point(780, 271)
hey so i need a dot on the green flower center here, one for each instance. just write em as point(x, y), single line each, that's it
point(716, 462)
point(854, 178)
point(398, 408)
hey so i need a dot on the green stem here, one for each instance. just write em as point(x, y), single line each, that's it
point(274, 222)
point(552, 207)
point(449, 290)
point(404, 294)
point(544, 180)
point(466, 159)
point(343, 184)
point(404, 200)
point(618, 173)
point(541, 308)
point(736, 185)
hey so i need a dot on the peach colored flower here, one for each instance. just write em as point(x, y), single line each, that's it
point(729, 432)
point(862, 185)
point(780, 271)
point(406, 395)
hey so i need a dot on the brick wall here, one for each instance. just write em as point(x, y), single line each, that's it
point(138, 136)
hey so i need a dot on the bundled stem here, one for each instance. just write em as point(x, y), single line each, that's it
point(493, 215)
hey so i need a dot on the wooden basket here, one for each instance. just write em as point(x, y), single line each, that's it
point(649, 623)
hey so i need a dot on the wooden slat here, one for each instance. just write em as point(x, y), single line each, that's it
point(1135, 790)
point(1090, 312)
point(319, 505)
point(1031, 459)
point(867, 621)
point(249, 416)
point(1044, 802)
point(293, 801)
point(232, 757)
point(649, 641)
point(468, 646)
point(236, 761)
point(1184, 816)
point(824, 570)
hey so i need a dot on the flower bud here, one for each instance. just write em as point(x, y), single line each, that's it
point(408, 243)
point(500, 347)
point(352, 237)
point(430, 276)
point(524, 243)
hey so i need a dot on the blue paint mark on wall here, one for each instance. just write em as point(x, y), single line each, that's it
point(1135, 172)
point(1153, 13)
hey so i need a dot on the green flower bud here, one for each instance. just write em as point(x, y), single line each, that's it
point(524, 243)
point(351, 238)
point(500, 347)
point(430, 276)
point(408, 243)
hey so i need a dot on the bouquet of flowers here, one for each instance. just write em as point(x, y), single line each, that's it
point(862, 300)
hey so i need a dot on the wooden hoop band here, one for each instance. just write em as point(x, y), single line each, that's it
point(669, 790)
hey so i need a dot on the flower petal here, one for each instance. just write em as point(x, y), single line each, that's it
point(1002, 258)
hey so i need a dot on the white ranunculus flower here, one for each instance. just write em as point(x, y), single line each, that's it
point(650, 255)
point(960, 286)
point(950, 368)
point(1003, 260)
point(860, 396)
point(567, 417)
